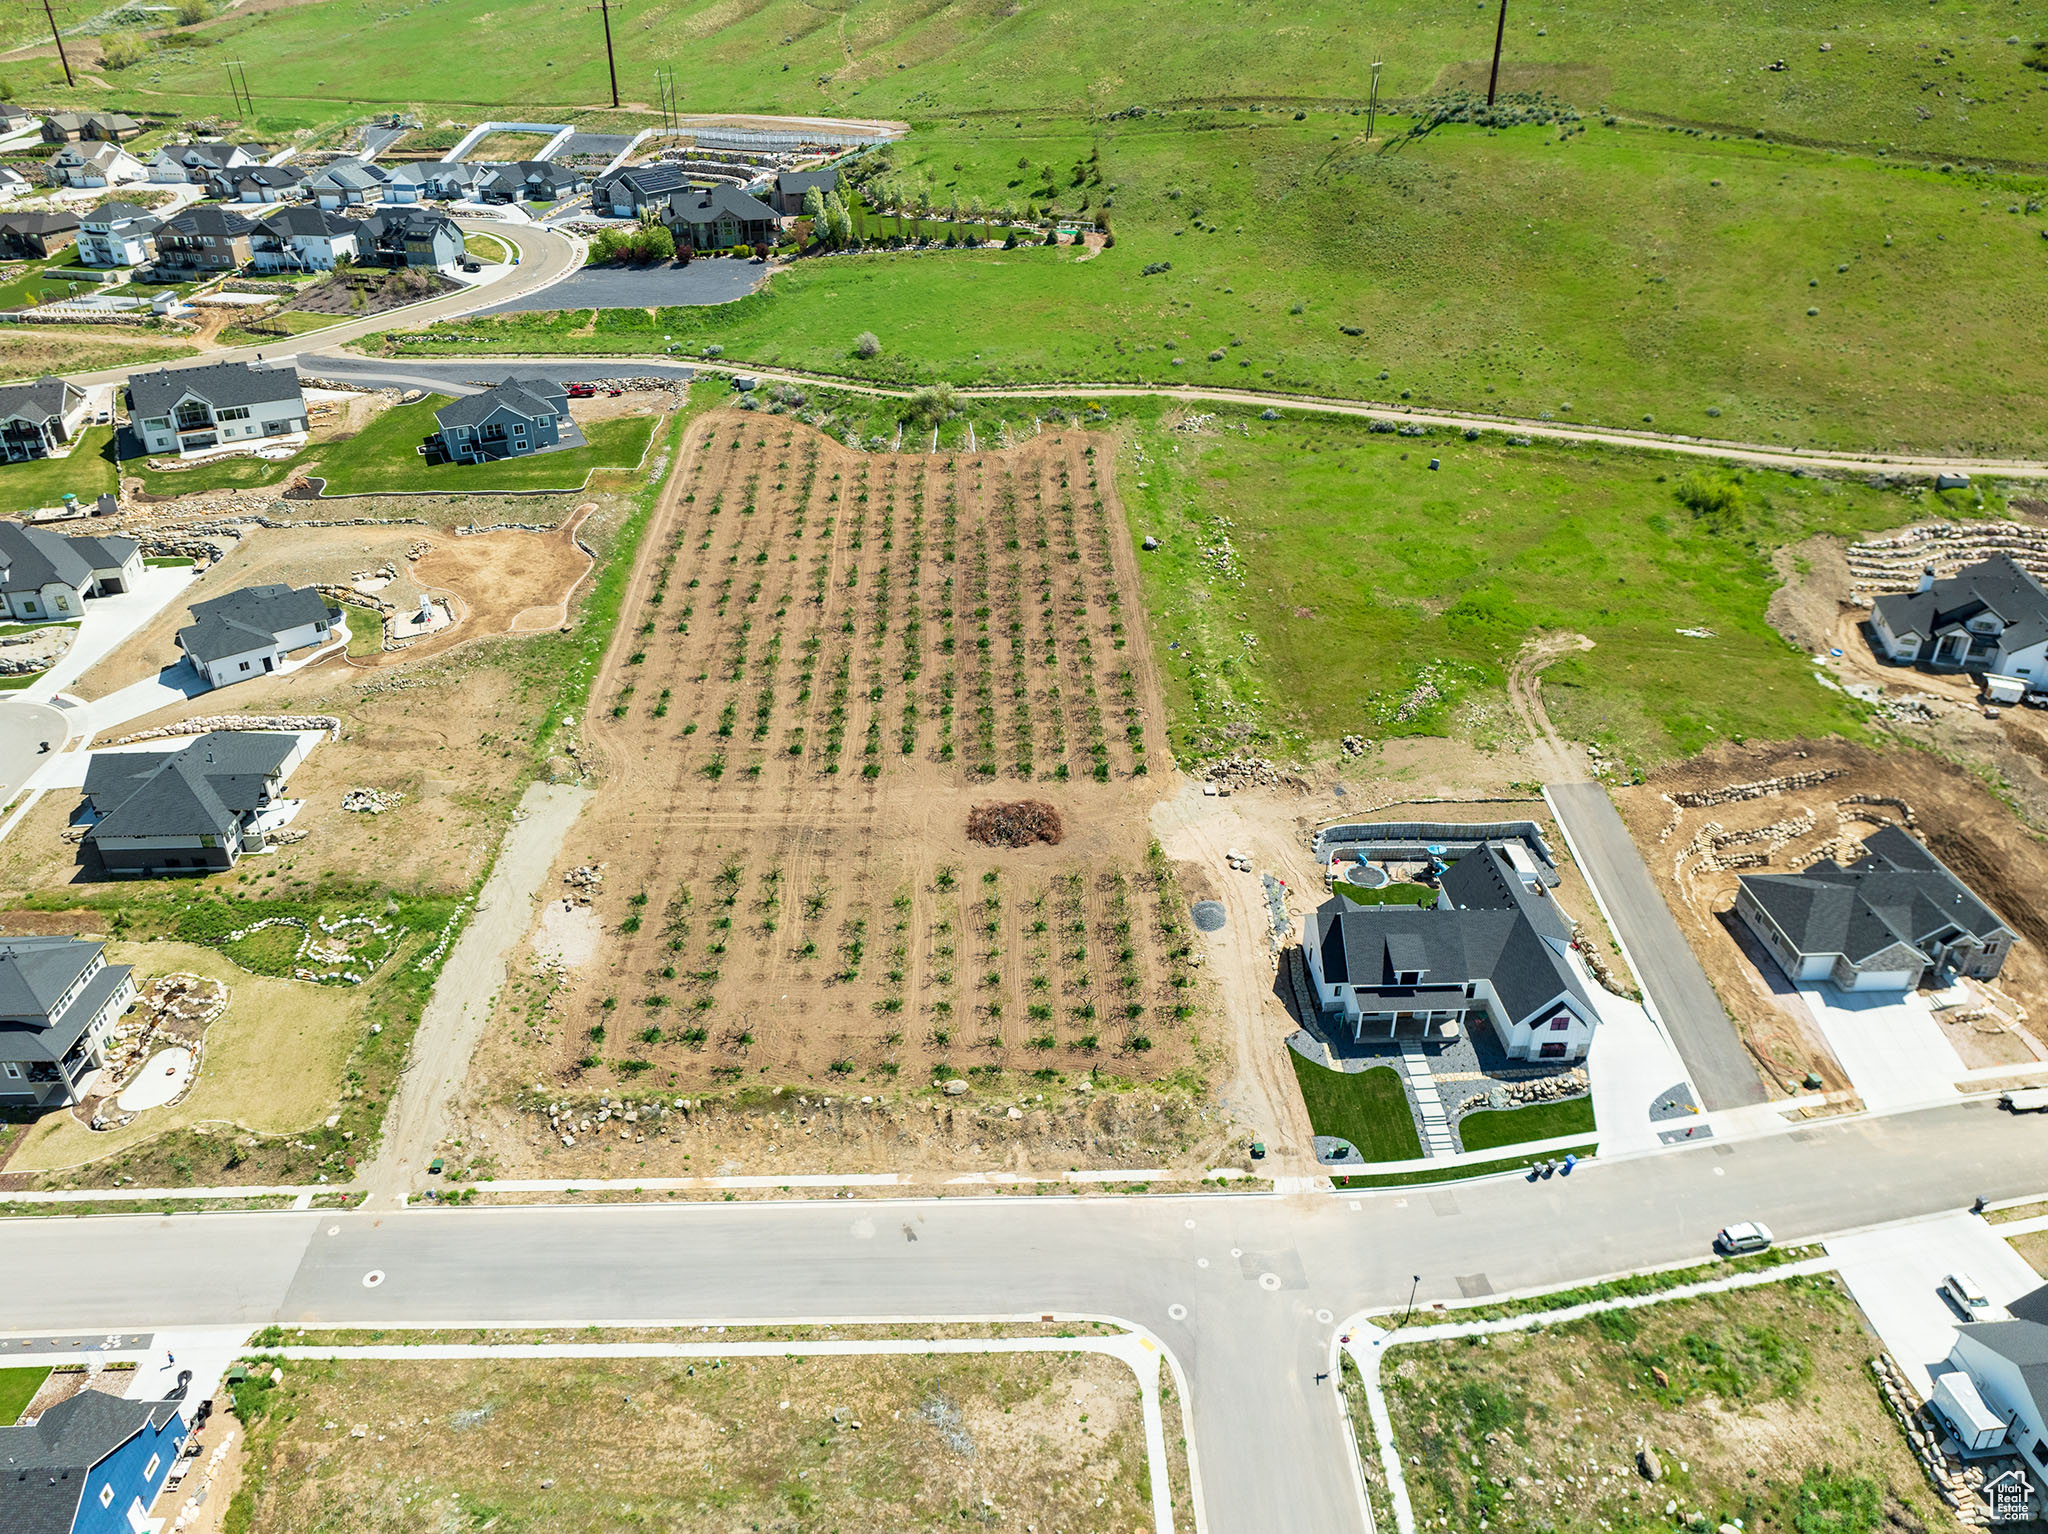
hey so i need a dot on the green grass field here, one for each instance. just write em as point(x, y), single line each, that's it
point(1491, 1128)
point(1614, 276)
point(1939, 81)
point(1290, 542)
point(383, 458)
point(86, 471)
point(18, 1387)
point(1368, 1108)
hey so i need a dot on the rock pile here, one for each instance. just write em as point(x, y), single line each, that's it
point(1957, 1484)
point(1894, 564)
point(211, 722)
point(1735, 792)
point(1356, 745)
point(586, 880)
point(1534, 1089)
point(370, 801)
point(1244, 772)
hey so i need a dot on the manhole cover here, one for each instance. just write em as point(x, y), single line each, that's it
point(1209, 915)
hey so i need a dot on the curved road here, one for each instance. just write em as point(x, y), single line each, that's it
point(1248, 1291)
point(28, 726)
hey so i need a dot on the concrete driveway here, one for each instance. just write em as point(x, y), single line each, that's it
point(1889, 1044)
point(1895, 1274)
point(108, 624)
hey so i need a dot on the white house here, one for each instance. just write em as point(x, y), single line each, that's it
point(59, 1000)
point(346, 183)
point(200, 161)
point(189, 410)
point(43, 576)
point(302, 238)
point(118, 234)
point(2008, 1362)
point(37, 419)
point(1491, 948)
point(91, 165)
point(1991, 617)
point(1877, 925)
point(249, 632)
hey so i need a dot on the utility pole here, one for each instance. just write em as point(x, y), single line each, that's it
point(1499, 32)
point(610, 64)
point(1372, 104)
point(59, 36)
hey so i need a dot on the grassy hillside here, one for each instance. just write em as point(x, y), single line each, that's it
point(1939, 80)
point(1716, 285)
point(1318, 579)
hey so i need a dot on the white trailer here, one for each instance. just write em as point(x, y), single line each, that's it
point(1975, 1425)
point(2004, 689)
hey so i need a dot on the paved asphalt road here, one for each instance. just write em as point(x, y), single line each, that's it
point(1675, 985)
point(705, 281)
point(27, 726)
point(461, 377)
point(1248, 1291)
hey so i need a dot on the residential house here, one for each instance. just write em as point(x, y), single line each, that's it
point(623, 193)
point(346, 183)
point(59, 999)
point(1990, 617)
point(105, 127)
point(2008, 1363)
point(790, 186)
point(206, 238)
point(1494, 949)
point(192, 409)
point(38, 418)
point(529, 181)
point(13, 183)
point(14, 119)
point(90, 165)
point(519, 416)
point(201, 160)
point(43, 575)
point(1877, 925)
point(257, 183)
point(410, 237)
point(302, 238)
point(719, 217)
point(436, 180)
point(117, 234)
point(30, 236)
point(193, 810)
point(250, 631)
point(92, 1464)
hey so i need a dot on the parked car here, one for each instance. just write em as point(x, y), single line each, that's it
point(582, 391)
point(472, 266)
point(1746, 1237)
point(1967, 1295)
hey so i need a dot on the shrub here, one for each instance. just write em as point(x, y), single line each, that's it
point(867, 344)
point(121, 50)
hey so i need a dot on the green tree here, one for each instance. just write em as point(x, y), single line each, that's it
point(814, 206)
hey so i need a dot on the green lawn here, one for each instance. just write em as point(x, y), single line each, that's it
point(485, 247)
point(382, 458)
point(1342, 541)
point(1389, 894)
point(1463, 1172)
point(1490, 1128)
point(1368, 1108)
point(1613, 276)
point(88, 470)
point(1940, 82)
point(18, 1387)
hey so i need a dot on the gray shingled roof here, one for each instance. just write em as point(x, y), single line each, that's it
point(2024, 1344)
point(303, 218)
point(796, 182)
point(107, 552)
point(36, 971)
point(249, 619)
point(1494, 930)
point(39, 223)
point(32, 557)
point(43, 400)
point(46, 1465)
point(1998, 585)
point(1897, 893)
point(350, 173)
point(209, 219)
point(201, 790)
point(267, 175)
point(714, 202)
point(218, 383)
point(109, 214)
point(530, 397)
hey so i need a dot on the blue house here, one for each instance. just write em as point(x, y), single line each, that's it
point(90, 1465)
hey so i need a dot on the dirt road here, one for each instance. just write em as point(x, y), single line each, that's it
point(1560, 763)
point(468, 987)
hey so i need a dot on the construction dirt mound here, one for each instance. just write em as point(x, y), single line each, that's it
point(1017, 823)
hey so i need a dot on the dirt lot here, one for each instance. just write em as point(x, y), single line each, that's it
point(826, 660)
point(1759, 1406)
point(1697, 853)
point(1024, 1441)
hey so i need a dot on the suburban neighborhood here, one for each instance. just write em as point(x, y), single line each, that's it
point(1108, 769)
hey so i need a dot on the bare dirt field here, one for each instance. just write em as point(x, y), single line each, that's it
point(826, 660)
point(1696, 853)
point(1045, 1441)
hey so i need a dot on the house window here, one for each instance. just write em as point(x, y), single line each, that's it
point(245, 665)
point(107, 1495)
point(234, 413)
point(1559, 1024)
point(11, 1071)
point(193, 414)
point(149, 1470)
